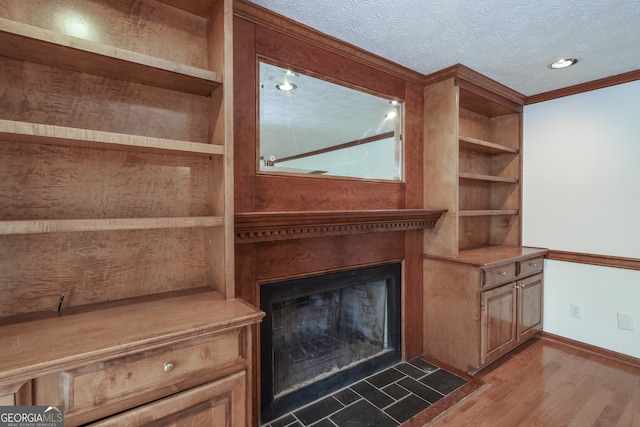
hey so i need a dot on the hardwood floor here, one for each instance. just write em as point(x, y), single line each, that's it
point(548, 383)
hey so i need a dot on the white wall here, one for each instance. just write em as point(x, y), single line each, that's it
point(581, 193)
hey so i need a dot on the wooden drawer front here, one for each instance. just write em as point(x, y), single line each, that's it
point(531, 266)
point(221, 403)
point(498, 275)
point(147, 377)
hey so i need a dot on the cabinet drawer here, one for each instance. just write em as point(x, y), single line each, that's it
point(498, 275)
point(531, 266)
point(144, 377)
point(217, 404)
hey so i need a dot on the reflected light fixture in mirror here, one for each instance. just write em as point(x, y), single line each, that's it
point(312, 126)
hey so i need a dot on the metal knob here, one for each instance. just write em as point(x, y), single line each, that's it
point(535, 265)
point(168, 367)
point(503, 273)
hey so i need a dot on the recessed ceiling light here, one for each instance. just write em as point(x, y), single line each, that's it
point(562, 63)
point(286, 86)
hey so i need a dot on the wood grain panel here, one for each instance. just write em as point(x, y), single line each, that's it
point(449, 293)
point(474, 125)
point(245, 115)
point(92, 267)
point(413, 146)
point(145, 27)
point(279, 193)
point(473, 231)
point(49, 95)
point(64, 182)
point(440, 165)
point(297, 258)
point(326, 64)
point(412, 297)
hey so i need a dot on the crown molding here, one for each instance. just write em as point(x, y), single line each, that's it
point(268, 19)
point(585, 87)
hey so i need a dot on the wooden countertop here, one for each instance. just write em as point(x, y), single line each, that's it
point(65, 340)
point(490, 256)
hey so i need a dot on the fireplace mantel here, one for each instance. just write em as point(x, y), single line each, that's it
point(255, 227)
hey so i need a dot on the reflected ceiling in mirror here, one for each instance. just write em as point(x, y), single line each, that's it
point(312, 126)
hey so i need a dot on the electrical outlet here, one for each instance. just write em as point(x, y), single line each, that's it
point(625, 321)
point(576, 310)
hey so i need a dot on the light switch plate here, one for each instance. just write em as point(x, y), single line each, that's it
point(625, 321)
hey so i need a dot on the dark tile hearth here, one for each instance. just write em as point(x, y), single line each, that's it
point(385, 399)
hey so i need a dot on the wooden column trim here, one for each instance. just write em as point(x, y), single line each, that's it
point(271, 226)
point(594, 259)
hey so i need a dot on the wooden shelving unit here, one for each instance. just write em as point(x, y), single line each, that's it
point(482, 290)
point(104, 134)
point(473, 134)
point(116, 221)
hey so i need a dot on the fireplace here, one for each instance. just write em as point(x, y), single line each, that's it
point(324, 332)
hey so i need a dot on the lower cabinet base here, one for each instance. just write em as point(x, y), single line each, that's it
point(480, 306)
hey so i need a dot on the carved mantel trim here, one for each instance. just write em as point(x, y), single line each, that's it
point(271, 226)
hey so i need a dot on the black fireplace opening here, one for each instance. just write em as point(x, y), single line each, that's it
point(322, 333)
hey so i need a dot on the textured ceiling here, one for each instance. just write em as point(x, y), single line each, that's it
point(510, 41)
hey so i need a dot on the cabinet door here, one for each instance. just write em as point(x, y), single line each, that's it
point(529, 306)
point(220, 403)
point(498, 322)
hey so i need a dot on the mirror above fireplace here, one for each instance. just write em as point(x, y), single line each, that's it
point(312, 126)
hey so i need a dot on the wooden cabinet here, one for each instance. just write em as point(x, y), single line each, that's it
point(116, 238)
point(97, 363)
point(510, 314)
point(483, 290)
point(482, 304)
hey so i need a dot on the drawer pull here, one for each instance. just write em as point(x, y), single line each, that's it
point(503, 273)
point(168, 367)
point(534, 265)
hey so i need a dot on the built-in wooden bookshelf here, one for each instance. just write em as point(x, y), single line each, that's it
point(116, 226)
point(473, 134)
point(104, 133)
